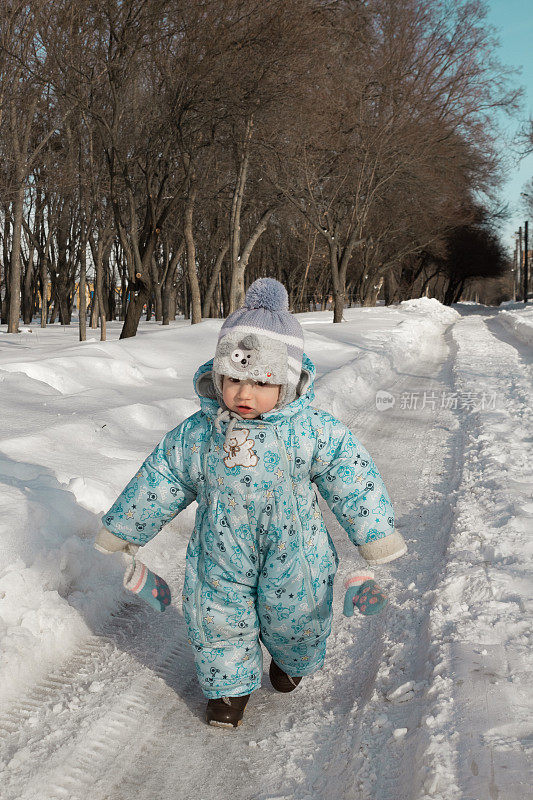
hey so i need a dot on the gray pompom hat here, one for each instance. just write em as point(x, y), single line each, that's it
point(262, 341)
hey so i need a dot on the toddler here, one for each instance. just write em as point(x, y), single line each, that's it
point(260, 562)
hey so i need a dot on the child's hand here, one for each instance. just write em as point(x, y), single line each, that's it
point(107, 542)
point(363, 593)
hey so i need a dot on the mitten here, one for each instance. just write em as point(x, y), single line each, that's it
point(140, 580)
point(107, 542)
point(363, 593)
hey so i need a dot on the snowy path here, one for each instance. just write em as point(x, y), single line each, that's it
point(295, 745)
point(412, 704)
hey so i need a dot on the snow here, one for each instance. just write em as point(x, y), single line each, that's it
point(428, 700)
point(519, 322)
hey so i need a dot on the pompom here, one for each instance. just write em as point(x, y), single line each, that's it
point(267, 293)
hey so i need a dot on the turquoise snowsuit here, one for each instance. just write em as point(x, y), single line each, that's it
point(260, 561)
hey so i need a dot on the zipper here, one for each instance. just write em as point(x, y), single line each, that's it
point(303, 559)
point(313, 608)
point(201, 559)
point(198, 592)
point(200, 566)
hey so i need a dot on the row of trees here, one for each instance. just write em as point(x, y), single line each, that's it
point(175, 151)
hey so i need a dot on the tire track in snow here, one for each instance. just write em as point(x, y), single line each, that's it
point(392, 742)
point(487, 649)
point(405, 767)
point(111, 734)
point(80, 716)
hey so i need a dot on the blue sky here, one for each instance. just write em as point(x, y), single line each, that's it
point(513, 20)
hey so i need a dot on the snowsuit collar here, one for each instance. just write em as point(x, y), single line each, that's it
point(205, 389)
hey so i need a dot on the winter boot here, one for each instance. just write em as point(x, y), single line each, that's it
point(280, 680)
point(226, 712)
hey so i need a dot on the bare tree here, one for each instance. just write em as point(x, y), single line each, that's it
point(29, 114)
point(410, 80)
point(334, 145)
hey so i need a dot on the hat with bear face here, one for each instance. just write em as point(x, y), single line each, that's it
point(262, 341)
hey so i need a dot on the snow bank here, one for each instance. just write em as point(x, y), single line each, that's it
point(77, 421)
point(519, 322)
point(383, 355)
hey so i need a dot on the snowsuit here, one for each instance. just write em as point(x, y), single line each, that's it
point(260, 561)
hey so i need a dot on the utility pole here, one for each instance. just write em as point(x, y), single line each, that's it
point(525, 262)
point(515, 268)
point(518, 276)
point(520, 256)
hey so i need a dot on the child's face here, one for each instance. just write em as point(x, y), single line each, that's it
point(248, 398)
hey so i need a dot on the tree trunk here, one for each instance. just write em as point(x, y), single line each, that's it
point(5, 260)
point(339, 270)
point(123, 293)
point(20, 137)
point(62, 296)
point(110, 291)
point(371, 292)
point(95, 308)
point(98, 268)
point(449, 294)
point(45, 284)
point(133, 313)
point(237, 292)
point(303, 301)
point(169, 290)
point(172, 304)
point(158, 302)
point(213, 281)
point(438, 289)
point(14, 277)
point(27, 295)
point(157, 297)
point(425, 286)
point(149, 308)
point(388, 287)
point(167, 304)
point(338, 286)
point(196, 306)
point(185, 295)
point(338, 306)
point(458, 292)
point(53, 313)
point(138, 260)
point(237, 271)
point(82, 296)
point(224, 289)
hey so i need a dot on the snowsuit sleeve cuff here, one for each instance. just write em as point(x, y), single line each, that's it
point(383, 550)
point(107, 542)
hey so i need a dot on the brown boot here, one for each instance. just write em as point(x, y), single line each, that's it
point(226, 712)
point(280, 680)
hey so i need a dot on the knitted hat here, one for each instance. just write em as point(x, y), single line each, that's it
point(262, 341)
